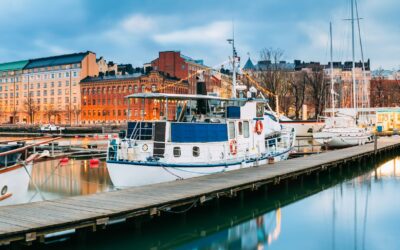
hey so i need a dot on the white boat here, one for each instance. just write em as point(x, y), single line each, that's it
point(342, 130)
point(210, 135)
point(50, 128)
point(304, 128)
point(14, 175)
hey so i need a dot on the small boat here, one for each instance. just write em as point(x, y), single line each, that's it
point(51, 128)
point(342, 131)
point(14, 175)
point(196, 135)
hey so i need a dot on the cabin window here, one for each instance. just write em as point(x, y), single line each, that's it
point(246, 128)
point(196, 151)
point(240, 128)
point(232, 130)
point(177, 151)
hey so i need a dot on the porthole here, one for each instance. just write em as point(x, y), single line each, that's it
point(4, 190)
point(177, 151)
point(196, 151)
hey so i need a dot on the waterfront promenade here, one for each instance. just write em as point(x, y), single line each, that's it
point(33, 221)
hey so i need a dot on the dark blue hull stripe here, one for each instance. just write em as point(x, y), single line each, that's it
point(158, 164)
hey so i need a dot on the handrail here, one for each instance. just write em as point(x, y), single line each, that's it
point(28, 146)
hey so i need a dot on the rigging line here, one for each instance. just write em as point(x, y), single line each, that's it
point(180, 178)
point(365, 93)
point(164, 208)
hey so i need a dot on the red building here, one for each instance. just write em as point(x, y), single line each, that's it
point(174, 64)
point(103, 98)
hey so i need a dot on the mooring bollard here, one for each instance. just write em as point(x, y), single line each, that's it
point(375, 144)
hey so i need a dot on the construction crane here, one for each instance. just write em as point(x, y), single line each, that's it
point(264, 90)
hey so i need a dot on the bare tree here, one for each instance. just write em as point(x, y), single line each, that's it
point(298, 87)
point(31, 108)
point(52, 112)
point(378, 89)
point(272, 74)
point(318, 88)
point(76, 113)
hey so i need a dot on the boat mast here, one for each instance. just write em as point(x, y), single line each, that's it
point(234, 55)
point(353, 55)
point(365, 90)
point(332, 89)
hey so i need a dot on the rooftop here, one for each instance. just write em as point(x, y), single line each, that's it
point(56, 60)
point(18, 65)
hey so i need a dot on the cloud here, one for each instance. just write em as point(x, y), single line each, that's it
point(50, 48)
point(214, 33)
point(138, 24)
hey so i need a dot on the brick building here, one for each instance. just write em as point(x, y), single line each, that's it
point(103, 98)
point(174, 64)
point(385, 93)
point(45, 89)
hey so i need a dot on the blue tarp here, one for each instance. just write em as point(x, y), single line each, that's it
point(198, 132)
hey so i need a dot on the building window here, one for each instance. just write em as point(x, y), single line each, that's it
point(67, 83)
point(75, 74)
point(135, 89)
point(67, 74)
point(196, 151)
point(52, 76)
point(59, 92)
point(59, 84)
point(177, 151)
point(143, 88)
point(38, 93)
point(52, 92)
point(44, 85)
point(153, 88)
point(59, 75)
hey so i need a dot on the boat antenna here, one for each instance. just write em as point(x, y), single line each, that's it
point(332, 87)
point(234, 56)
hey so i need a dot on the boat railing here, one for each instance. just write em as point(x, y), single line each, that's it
point(23, 149)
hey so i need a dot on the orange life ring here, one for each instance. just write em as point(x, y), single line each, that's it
point(233, 147)
point(259, 127)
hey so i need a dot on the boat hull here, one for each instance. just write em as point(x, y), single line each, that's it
point(342, 141)
point(127, 174)
point(14, 182)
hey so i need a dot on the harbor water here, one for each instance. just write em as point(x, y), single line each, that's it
point(354, 208)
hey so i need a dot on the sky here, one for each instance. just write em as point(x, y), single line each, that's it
point(131, 31)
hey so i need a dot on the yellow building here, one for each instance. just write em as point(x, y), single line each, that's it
point(44, 90)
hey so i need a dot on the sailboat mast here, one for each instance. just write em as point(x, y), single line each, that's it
point(332, 87)
point(365, 89)
point(353, 55)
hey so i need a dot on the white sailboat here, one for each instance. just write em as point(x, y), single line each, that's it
point(342, 130)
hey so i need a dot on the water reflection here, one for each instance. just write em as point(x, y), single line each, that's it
point(52, 180)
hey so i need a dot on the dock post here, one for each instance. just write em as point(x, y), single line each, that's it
point(52, 149)
point(375, 144)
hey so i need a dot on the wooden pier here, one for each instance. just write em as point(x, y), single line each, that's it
point(34, 221)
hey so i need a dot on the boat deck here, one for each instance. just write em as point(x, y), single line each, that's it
point(33, 221)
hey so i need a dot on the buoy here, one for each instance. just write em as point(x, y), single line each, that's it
point(106, 136)
point(94, 161)
point(115, 136)
point(64, 161)
point(96, 136)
